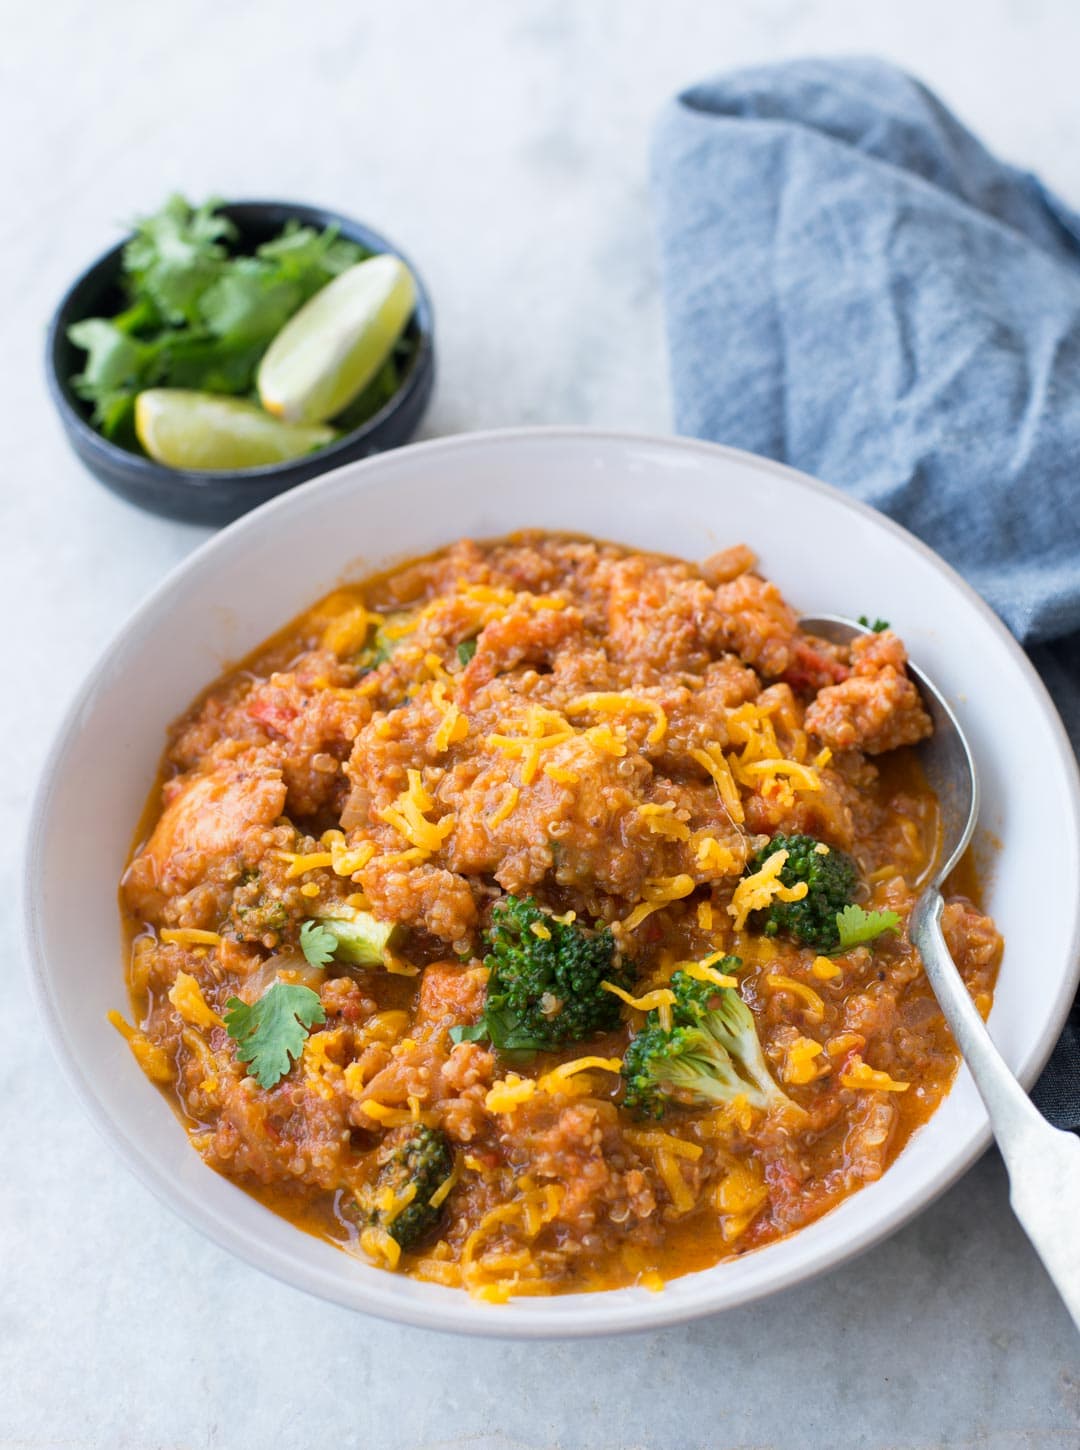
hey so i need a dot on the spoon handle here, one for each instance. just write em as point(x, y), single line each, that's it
point(1043, 1162)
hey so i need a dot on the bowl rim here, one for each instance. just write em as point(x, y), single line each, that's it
point(459, 1315)
point(336, 454)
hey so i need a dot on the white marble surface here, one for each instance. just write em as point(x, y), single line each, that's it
point(504, 143)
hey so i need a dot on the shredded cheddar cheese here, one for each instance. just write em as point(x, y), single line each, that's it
point(408, 817)
point(658, 893)
point(349, 631)
point(509, 1092)
point(320, 1069)
point(815, 1007)
point(446, 1187)
point(754, 893)
point(659, 997)
point(186, 996)
point(392, 1205)
point(750, 725)
point(844, 1043)
point(740, 1197)
point(534, 1209)
point(653, 1139)
point(712, 758)
point(667, 1165)
point(299, 863)
point(560, 775)
point(189, 936)
point(705, 972)
point(607, 739)
point(722, 1122)
point(803, 777)
point(623, 704)
point(379, 1246)
point(859, 1074)
point(542, 729)
point(153, 1060)
point(558, 1078)
point(454, 726)
point(662, 821)
point(799, 1065)
point(715, 857)
point(506, 805)
point(395, 1117)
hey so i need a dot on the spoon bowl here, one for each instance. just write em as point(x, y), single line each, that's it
point(946, 757)
point(1043, 1162)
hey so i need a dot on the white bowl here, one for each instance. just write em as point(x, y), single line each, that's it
point(829, 555)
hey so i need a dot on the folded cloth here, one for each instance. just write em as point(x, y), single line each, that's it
point(854, 285)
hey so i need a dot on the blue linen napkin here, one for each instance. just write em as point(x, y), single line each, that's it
point(854, 285)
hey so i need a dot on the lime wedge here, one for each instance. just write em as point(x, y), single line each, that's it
point(186, 429)
point(332, 348)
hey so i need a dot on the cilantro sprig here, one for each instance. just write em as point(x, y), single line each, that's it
point(200, 313)
point(857, 926)
point(318, 943)
point(878, 626)
point(270, 1033)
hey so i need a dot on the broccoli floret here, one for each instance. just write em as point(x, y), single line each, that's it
point(254, 912)
point(424, 1160)
point(251, 923)
point(360, 939)
point(831, 877)
point(709, 1055)
point(544, 982)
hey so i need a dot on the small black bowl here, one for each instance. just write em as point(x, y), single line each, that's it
point(218, 497)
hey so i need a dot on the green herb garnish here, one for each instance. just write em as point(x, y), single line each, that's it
point(465, 650)
point(270, 1033)
point(199, 316)
point(877, 626)
point(856, 926)
point(359, 939)
point(318, 943)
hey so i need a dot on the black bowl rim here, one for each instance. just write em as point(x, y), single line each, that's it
point(342, 450)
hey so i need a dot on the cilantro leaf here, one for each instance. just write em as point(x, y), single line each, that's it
point(176, 254)
point(270, 1033)
point(115, 368)
point(465, 650)
point(469, 1032)
point(209, 364)
point(199, 313)
point(318, 943)
point(877, 626)
point(113, 359)
point(857, 926)
point(249, 302)
point(301, 254)
point(117, 365)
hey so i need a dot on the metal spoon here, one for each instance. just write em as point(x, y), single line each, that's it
point(1043, 1163)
